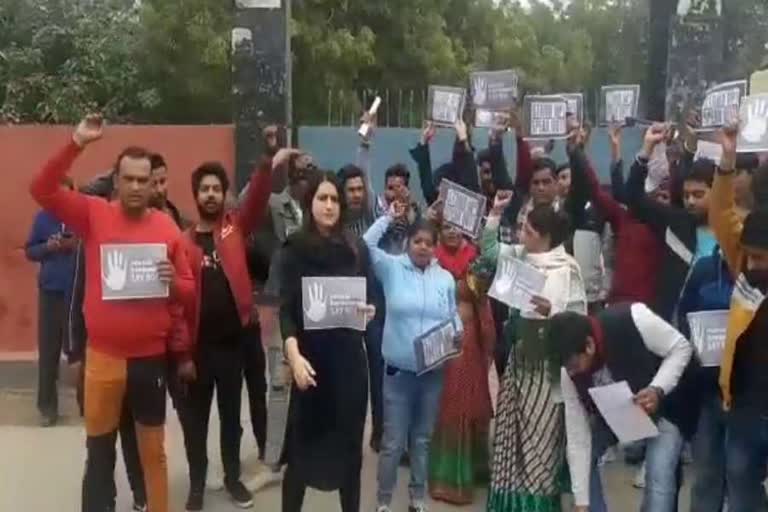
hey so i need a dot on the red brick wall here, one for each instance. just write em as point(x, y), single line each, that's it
point(24, 149)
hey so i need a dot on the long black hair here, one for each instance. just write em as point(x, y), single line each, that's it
point(546, 221)
point(309, 228)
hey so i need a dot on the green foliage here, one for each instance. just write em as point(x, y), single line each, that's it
point(168, 61)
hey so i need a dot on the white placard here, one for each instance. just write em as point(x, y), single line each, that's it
point(709, 150)
point(516, 282)
point(446, 104)
point(436, 346)
point(494, 90)
point(708, 333)
point(129, 271)
point(258, 4)
point(721, 104)
point(619, 102)
point(546, 116)
point(753, 136)
point(333, 303)
point(462, 208)
point(628, 421)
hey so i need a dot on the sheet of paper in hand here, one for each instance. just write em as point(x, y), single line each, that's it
point(516, 282)
point(436, 346)
point(445, 104)
point(708, 330)
point(462, 208)
point(129, 271)
point(721, 105)
point(494, 90)
point(709, 150)
point(333, 302)
point(753, 136)
point(628, 421)
point(278, 400)
point(618, 102)
point(490, 118)
point(546, 116)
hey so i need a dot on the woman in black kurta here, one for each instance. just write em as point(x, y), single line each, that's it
point(326, 418)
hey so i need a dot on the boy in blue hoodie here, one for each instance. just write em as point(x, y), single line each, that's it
point(52, 245)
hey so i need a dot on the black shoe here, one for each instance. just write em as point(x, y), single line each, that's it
point(195, 501)
point(405, 460)
point(239, 494)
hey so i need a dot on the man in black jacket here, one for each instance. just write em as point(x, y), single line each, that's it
point(684, 231)
point(628, 343)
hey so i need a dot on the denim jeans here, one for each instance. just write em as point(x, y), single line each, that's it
point(708, 491)
point(662, 458)
point(411, 406)
point(747, 449)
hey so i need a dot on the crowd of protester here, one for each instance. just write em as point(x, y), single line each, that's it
point(624, 268)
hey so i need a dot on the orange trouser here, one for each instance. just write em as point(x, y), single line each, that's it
point(110, 381)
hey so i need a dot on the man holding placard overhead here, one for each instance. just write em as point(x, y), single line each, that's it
point(138, 281)
point(743, 376)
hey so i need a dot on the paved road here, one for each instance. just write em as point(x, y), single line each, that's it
point(40, 471)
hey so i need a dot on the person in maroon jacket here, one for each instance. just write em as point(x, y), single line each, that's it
point(638, 251)
point(219, 319)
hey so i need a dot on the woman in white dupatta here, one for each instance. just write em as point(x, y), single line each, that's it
point(529, 445)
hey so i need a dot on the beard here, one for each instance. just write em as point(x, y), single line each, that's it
point(208, 214)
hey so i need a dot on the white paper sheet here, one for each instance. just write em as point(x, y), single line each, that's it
point(516, 282)
point(628, 421)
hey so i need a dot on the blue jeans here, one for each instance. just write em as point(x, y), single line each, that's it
point(411, 406)
point(747, 449)
point(662, 457)
point(708, 491)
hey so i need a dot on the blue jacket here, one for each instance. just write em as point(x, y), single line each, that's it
point(709, 288)
point(56, 268)
point(416, 300)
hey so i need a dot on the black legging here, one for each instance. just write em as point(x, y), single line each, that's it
point(294, 490)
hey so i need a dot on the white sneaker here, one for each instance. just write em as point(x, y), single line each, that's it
point(639, 482)
point(214, 482)
point(265, 478)
point(383, 508)
point(608, 457)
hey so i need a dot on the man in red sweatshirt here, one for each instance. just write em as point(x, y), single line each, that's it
point(130, 338)
point(221, 320)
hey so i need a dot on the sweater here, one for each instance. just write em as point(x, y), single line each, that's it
point(121, 328)
point(416, 299)
point(56, 267)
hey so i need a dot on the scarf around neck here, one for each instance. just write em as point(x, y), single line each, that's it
point(457, 263)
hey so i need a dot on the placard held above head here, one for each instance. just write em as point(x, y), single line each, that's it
point(546, 116)
point(462, 208)
point(494, 90)
point(721, 105)
point(618, 102)
point(575, 104)
point(753, 134)
point(490, 118)
point(445, 105)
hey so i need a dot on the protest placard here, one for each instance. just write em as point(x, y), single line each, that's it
point(546, 116)
point(618, 102)
point(516, 282)
point(753, 135)
point(129, 271)
point(437, 345)
point(445, 104)
point(721, 105)
point(490, 118)
point(333, 302)
point(709, 150)
point(494, 90)
point(708, 330)
point(462, 208)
